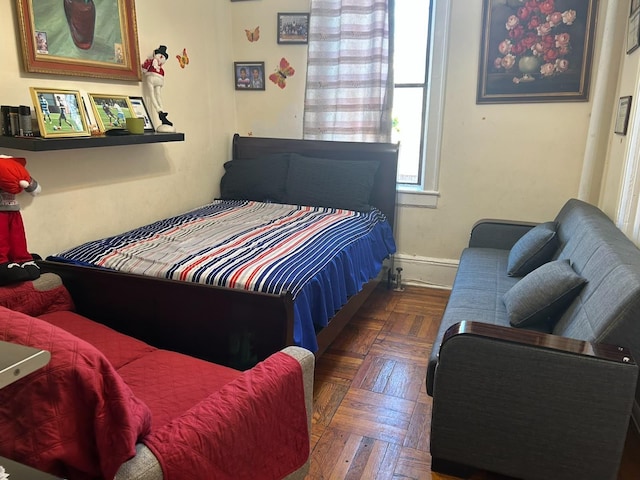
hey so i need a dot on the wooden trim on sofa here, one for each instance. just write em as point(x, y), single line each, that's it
point(542, 340)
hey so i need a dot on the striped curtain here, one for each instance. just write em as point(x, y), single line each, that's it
point(349, 71)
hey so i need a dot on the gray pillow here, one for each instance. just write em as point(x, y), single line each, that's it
point(321, 182)
point(534, 248)
point(261, 179)
point(540, 298)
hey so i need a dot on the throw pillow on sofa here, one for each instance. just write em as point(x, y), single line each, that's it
point(539, 299)
point(535, 248)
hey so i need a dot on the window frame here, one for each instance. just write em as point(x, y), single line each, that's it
point(425, 193)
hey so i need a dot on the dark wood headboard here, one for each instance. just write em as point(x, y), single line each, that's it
point(383, 195)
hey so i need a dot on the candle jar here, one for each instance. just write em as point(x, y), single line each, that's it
point(81, 17)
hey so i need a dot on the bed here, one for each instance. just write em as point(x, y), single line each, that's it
point(229, 305)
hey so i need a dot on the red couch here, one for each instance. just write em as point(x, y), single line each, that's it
point(109, 405)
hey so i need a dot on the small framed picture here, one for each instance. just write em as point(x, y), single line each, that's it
point(60, 113)
point(633, 32)
point(293, 28)
point(249, 75)
point(622, 119)
point(111, 111)
point(140, 111)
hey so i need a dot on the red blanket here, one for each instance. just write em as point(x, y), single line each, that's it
point(74, 418)
point(254, 428)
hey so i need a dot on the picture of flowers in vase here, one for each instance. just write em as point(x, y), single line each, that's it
point(537, 41)
point(536, 50)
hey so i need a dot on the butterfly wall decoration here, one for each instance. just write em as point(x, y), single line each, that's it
point(183, 59)
point(253, 35)
point(285, 70)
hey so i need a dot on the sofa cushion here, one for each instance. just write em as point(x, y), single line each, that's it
point(118, 348)
point(45, 294)
point(75, 417)
point(170, 383)
point(540, 298)
point(535, 248)
point(261, 179)
point(330, 183)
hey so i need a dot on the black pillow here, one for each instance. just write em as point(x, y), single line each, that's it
point(261, 179)
point(539, 299)
point(321, 182)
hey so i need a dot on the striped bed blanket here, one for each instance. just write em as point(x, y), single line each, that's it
point(321, 256)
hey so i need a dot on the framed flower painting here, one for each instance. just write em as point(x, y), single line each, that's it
point(536, 50)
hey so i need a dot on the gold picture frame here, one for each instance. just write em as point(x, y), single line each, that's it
point(80, 37)
point(111, 111)
point(60, 113)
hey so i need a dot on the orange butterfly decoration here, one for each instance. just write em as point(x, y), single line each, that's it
point(280, 76)
point(253, 35)
point(183, 59)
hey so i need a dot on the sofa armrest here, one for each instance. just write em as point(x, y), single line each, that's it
point(502, 234)
point(528, 404)
point(145, 466)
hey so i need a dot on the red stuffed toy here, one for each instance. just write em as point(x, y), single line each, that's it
point(16, 263)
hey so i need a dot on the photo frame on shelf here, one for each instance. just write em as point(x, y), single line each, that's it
point(60, 113)
point(293, 28)
point(73, 40)
point(140, 111)
point(111, 111)
point(622, 118)
point(518, 65)
point(633, 32)
point(249, 75)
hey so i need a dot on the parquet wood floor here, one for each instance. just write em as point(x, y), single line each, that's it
point(371, 410)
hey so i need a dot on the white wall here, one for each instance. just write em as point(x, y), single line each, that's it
point(93, 192)
point(274, 112)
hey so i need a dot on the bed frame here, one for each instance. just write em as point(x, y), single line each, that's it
point(228, 326)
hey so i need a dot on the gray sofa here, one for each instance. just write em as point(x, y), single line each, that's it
point(528, 403)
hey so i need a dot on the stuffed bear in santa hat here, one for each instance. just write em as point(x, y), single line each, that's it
point(16, 263)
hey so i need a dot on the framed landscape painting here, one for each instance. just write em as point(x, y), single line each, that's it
point(60, 113)
point(536, 51)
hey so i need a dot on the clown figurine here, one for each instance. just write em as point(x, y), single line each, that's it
point(16, 263)
point(154, 77)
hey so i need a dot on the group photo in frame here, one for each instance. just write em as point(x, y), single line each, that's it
point(111, 111)
point(293, 28)
point(60, 113)
point(140, 111)
point(80, 37)
point(249, 75)
point(535, 55)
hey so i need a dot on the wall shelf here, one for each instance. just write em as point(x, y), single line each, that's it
point(38, 144)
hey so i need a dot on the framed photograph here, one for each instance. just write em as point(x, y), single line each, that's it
point(634, 5)
point(140, 111)
point(111, 111)
point(60, 113)
point(88, 38)
point(633, 32)
point(622, 118)
point(531, 55)
point(293, 28)
point(249, 75)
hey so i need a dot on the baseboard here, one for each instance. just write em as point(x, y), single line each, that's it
point(426, 271)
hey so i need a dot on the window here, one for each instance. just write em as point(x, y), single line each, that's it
point(420, 31)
